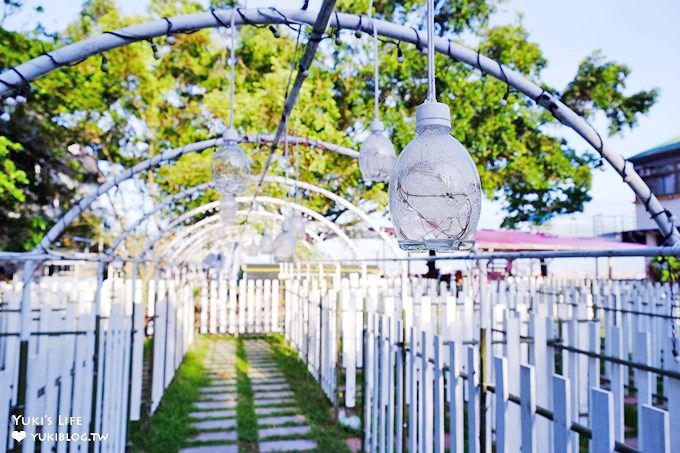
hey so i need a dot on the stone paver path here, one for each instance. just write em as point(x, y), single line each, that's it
point(214, 415)
point(281, 426)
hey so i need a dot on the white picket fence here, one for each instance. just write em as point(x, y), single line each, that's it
point(416, 344)
point(78, 367)
point(246, 306)
point(560, 358)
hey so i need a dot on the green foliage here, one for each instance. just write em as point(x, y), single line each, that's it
point(10, 177)
point(598, 86)
point(168, 428)
point(143, 106)
point(666, 269)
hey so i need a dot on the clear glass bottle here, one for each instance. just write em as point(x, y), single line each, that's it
point(284, 246)
point(435, 192)
point(230, 165)
point(377, 155)
point(228, 209)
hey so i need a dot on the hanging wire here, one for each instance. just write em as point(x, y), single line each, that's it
point(376, 87)
point(232, 82)
point(297, 162)
point(431, 91)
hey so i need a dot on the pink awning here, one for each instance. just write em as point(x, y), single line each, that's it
point(522, 240)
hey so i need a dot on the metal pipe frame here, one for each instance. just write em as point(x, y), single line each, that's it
point(202, 187)
point(150, 243)
point(170, 155)
point(14, 78)
point(211, 230)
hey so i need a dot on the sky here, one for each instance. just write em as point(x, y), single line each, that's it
point(644, 35)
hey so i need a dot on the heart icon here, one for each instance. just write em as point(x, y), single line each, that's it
point(19, 435)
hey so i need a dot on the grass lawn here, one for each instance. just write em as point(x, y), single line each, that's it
point(166, 431)
point(245, 412)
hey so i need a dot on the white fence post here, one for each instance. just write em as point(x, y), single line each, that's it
point(602, 425)
point(655, 433)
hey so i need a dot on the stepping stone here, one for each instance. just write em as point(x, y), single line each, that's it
point(219, 397)
point(270, 395)
point(224, 424)
point(213, 414)
point(209, 436)
point(274, 410)
point(266, 375)
point(276, 380)
point(281, 420)
point(222, 382)
point(215, 404)
point(218, 389)
point(211, 449)
point(287, 445)
point(270, 402)
point(281, 386)
point(283, 431)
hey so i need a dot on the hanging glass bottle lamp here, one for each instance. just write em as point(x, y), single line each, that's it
point(230, 164)
point(376, 155)
point(434, 191)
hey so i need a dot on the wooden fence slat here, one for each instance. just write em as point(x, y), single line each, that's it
point(602, 416)
point(655, 433)
point(501, 395)
point(561, 400)
point(528, 408)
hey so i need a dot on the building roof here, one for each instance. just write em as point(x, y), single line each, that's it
point(657, 151)
point(487, 239)
point(522, 240)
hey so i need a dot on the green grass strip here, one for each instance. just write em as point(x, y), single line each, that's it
point(168, 429)
point(245, 412)
point(326, 432)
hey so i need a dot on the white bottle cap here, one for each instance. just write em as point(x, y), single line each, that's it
point(377, 125)
point(230, 135)
point(433, 114)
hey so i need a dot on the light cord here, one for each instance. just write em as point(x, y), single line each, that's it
point(431, 91)
point(232, 59)
point(376, 85)
point(297, 162)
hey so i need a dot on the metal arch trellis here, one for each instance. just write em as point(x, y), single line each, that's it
point(209, 206)
point(167, 156)
point(16, 77)
point(260, 199)
point(212, 224)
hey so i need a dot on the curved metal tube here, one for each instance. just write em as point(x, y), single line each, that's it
point(31, 70)
point(208, 206)
point(149, 244)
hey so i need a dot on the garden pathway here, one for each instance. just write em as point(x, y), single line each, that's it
point(214, 415)
point(281, 426)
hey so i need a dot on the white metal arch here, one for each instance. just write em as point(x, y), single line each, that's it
point(201, 187)
point(211, 229)
point(14, 78)
point(261, 199)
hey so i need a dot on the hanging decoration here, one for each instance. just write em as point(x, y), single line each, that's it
point(266, 243)
point(376, 155)
point(230, 165)
point(434, 191)
point(228, 209)
point(285, 243)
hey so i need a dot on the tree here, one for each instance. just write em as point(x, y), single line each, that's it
point(143, 106)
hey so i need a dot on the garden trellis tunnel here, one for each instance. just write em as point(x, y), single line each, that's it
point(400, 358)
